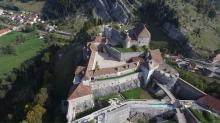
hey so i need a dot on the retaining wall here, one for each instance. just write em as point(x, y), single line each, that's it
point(106, 87)
point(186, 91)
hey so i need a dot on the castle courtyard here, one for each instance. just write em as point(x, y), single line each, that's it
point(104, 60)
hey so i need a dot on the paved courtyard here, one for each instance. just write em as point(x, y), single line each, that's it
point(104, 61)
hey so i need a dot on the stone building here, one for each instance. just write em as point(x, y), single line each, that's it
point(166, 75)
point(103, 75)
point(139, 36)
point(80, 98)
point(108, 72)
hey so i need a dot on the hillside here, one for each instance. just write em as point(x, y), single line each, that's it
point(35, 74)
point(197, 21)
point(23, 5)
point(201, 21)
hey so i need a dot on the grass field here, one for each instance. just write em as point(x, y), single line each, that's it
point(32, 6)
point(208, 39)
point(24, 51)
point(137, 93)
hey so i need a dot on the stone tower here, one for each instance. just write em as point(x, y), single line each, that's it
point(127, 41)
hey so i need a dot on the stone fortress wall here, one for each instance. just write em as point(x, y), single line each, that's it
point(142, 41)
point(116, 74)
point(184, 90)
point(79, 105)
point(121, 56)
point(180, 88)
point(164, 78)
point(109, 86)
point(132, 111)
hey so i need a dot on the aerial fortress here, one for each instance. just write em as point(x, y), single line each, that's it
point(110, 70)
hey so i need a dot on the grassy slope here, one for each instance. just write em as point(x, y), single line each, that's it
point(32, 6)
point(24, 51)
point(190, 19)
point(203, 118)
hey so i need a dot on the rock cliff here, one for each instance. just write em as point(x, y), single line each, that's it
point(110, 10)
point(107, 10)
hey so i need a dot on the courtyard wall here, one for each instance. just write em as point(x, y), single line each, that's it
point(121, 56)
point(109, 86)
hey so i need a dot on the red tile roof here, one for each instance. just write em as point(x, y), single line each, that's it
point(211, 102)
point(4, 30)
point(156, 56)
point(137, 59)
point(79, 90)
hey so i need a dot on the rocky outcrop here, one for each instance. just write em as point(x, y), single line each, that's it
point(107, 10)
point(110, 10)
point(177, 34)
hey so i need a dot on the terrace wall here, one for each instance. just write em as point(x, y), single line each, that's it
point(184, 90)
point(109, 86)
point(78, 105)
point(128, 55)
point(116, 74)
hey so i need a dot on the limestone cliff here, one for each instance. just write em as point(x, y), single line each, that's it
point(112, 10)
point(107, 10)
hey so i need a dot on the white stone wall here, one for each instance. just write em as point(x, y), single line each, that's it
point(144, 74)
point(119, 115)
point(94, 63)
point(164, 78)
point(143, 41)
point(113, 82)
point(86, 82)
point(79, 105)
point(126, 56)
point(116, 74)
